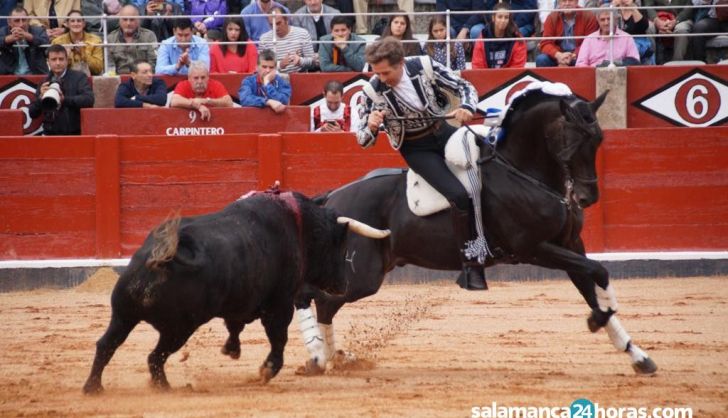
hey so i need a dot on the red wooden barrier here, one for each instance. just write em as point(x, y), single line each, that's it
point(192, 175)
point(314, 163)
point(99, 197)
point(11, 122)
point(666, 189)
point(180, 122)
point(48, 191)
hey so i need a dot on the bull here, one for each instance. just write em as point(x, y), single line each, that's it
point(245, 262)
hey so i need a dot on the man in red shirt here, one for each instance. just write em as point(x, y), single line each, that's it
point(199, 92)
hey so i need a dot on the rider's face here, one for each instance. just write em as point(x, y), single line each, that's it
point(388, 73)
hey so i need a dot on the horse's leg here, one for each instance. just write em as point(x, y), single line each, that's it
point(311, 334)
point(592, 281)
point(318, 335)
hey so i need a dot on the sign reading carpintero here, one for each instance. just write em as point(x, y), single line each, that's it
point(189, 131)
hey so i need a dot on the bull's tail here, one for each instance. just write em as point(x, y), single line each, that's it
point(166, 239)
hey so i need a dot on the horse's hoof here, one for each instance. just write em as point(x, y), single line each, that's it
point(310, 369)
point(92, 389)
point(646, 366)
point(266, 374)
point(233, 353)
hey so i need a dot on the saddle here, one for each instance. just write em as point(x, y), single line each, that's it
point(422, 198)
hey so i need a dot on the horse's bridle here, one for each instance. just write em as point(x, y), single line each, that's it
point(589, 129)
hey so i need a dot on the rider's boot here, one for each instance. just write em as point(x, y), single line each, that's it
point(473, 275)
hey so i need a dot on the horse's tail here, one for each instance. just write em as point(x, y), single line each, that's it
point(166, 240)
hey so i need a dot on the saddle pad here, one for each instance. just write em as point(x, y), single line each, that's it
point(422, 198)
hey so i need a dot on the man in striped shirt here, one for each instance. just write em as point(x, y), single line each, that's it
point(292, 45)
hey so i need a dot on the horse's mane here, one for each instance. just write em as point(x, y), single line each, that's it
point(525, 101)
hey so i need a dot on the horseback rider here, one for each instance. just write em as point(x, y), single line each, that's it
point(407, 98)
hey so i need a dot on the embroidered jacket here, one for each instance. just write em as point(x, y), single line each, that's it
point(431, 82)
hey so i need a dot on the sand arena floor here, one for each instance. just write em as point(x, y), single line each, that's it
point(424, 350)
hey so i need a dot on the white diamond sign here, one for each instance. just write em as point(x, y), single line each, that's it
point(693, 100)
point(19, 95)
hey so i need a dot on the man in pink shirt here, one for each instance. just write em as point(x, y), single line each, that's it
point(595, 49)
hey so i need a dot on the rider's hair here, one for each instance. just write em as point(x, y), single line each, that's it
point(388, 48)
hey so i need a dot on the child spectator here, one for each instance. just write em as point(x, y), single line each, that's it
point(490, 52)
point(437, 31)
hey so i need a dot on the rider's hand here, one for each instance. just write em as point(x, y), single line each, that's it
point(376, 118)
point(461, 115)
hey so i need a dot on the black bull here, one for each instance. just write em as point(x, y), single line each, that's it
point(535, 187)
point(242, 263)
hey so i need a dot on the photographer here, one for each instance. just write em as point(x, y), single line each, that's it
point(61, 96)
point(20, 46)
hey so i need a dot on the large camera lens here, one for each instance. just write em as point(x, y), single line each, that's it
point(51, 99)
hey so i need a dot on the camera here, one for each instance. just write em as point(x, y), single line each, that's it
point(51, 99)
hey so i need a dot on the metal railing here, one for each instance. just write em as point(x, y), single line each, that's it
point(448, 15)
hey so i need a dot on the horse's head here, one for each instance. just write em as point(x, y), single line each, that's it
point(574, 142)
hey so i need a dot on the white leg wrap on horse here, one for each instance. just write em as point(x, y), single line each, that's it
point(311, 335)
point(617, 334)
point(329, 345)
point(606, 298)
point(636, 353)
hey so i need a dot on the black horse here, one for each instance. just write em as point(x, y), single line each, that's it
point(535, 186)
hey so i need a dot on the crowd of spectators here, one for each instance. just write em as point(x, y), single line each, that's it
point(193, 38)
point(195, 30)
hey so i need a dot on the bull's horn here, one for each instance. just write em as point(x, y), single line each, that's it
point(363, 229)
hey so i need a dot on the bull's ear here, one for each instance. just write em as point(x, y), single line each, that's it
point(596, 104)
